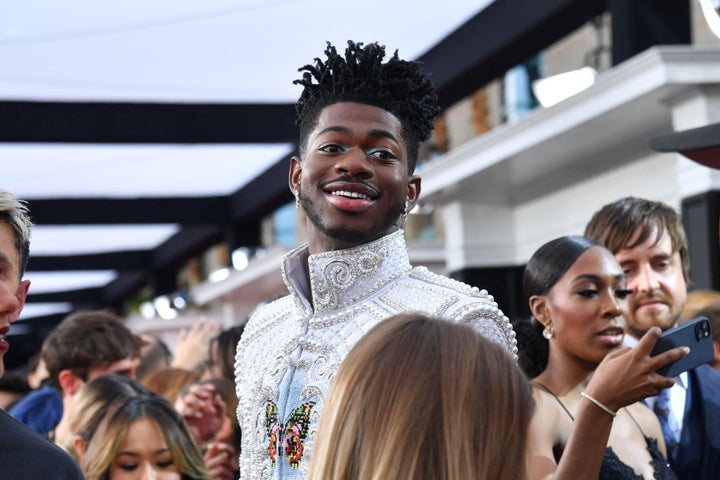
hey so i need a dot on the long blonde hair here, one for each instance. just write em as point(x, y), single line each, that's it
point(419, 397)
point(90, 404)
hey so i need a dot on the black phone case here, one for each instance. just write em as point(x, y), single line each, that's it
point(695, 334)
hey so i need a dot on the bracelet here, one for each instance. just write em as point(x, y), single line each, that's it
point(583, 394)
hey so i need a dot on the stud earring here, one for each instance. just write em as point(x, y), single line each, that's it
point(547, 332)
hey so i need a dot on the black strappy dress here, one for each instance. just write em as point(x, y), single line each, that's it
point(612, 467)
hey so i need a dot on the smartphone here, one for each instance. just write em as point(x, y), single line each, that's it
point(696, 335)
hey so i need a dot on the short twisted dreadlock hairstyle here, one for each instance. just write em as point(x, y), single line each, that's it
point(398, 86)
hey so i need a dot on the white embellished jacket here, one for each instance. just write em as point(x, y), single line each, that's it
point(292, 347)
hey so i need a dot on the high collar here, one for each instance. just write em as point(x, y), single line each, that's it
point(339, 278)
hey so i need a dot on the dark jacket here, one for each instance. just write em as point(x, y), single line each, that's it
point(26, 455)
point(698, 455)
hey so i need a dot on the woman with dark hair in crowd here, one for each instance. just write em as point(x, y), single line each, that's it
point(91, 404)
point(143, 437)
point(587, 424)
point(221, 357)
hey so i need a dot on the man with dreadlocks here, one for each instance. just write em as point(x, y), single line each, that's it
point(361, 122)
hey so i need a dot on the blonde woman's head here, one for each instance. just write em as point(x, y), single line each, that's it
point(419, 397)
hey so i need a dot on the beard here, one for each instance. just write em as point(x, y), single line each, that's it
point(348, 234)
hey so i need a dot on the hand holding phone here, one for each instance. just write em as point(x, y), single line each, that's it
point(696, 335)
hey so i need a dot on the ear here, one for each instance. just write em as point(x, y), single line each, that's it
point(539, 309)
point(21, 296)
point(295, 171)
point(413, 193)
point(69, 382)
point(80, 446)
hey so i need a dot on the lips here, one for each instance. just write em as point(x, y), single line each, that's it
point(344, 193)
point(4, 345)
point(350, 196)
point(612, 335)
point(355, 190)
point(650, 303)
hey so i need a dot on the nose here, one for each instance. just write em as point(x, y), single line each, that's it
point(611, 308)
point(644, 281)
point(149, 472)
point(355, 163)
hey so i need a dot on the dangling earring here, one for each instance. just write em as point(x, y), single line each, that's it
point(297, 198)
point(405, 212)
point(547, 332)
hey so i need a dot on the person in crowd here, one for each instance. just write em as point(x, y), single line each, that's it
point(712, 312)
point(37, 374)
point(204, 408)
point(23, 453)
point(420, 397)
point(142, 437)
point(13, 387)
point(193, 345)
point(170, 382)
point(83, 346)
point(697, 300)
point(221, 355)
point(219, 432)
point(648, 241)
point(588, 424)
point(154, 355)
point(361, 120)
point(191, 349)
point(91, 404)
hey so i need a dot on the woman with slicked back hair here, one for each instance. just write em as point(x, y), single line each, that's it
point(589, 423)
point(419, 397)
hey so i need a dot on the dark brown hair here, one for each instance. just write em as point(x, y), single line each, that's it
point(85, 340)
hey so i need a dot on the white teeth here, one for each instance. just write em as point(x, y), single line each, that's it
point(344, 193)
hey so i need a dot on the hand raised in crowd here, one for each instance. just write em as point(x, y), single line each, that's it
point(192, 348)
point(221, 460)
point(629, 375)
point(202, 410)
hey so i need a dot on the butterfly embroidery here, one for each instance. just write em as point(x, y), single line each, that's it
point(289, 435)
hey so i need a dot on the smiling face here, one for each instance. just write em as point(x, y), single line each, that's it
point(353, 181)
point(584, 308)
point(144, 455)
point(12, 290)
point(655, 275)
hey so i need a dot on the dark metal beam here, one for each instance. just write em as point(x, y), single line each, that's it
point(86, 211)
point(186, 244)
point(125, 286)
point(263, 195)
point(85, 296)
point(102, 122)
point(118, 260)
point(504, 34)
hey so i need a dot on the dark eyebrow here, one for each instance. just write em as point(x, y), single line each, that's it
point(591, 276)
point(373, 133)
point(384, 134)
point(334, 129)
